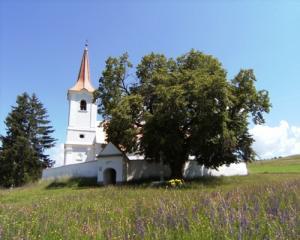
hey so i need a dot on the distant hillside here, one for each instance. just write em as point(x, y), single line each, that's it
point(290, 164)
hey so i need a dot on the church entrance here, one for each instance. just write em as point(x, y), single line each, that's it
point(109, 176)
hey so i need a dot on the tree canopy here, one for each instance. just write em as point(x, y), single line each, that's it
point(28, 135)
point(174, 109)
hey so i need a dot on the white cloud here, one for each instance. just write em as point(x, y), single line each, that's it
point(276, 141)
point(57, 154)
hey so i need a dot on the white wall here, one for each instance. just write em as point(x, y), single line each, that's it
point(77, 117)
point(88, 169)
point(231, 170)
point(73, 136)
point(81, 122)
point(140, 169)
point(79, 149)
point(193, 170)
point(115, 163)
point(100, 134)
point(79, 153)
point(137, 169)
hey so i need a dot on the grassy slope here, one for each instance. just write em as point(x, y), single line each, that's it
point(279, 169)
point(282, 165)
point(135, 212)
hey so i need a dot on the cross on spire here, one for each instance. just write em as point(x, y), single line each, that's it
point(83, 80)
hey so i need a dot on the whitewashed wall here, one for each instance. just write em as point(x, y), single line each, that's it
point(78, 118)
point(88, 169)
point(73, 136)
point(192, 170)
point(79, 153)
point(81, 122)
point(114, 162)
point(137, 169)
point(140, 169)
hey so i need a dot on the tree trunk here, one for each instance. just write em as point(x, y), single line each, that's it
point(177, 170)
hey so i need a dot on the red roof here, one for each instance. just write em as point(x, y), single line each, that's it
point(84, 80)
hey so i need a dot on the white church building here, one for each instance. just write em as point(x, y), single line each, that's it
point(87, 154)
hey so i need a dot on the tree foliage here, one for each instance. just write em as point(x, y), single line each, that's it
point(28, 135)
point(172, 109)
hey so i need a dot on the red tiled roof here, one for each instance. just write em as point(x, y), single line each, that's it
point(84, 80)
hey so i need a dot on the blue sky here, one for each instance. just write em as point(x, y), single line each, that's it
point(41, 44)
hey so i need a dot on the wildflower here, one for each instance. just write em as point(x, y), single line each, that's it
point(175, 182)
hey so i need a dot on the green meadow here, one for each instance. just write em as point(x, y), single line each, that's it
point(263, 205)
point(280, 165)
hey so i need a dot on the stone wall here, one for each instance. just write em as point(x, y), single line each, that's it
point(137, 169)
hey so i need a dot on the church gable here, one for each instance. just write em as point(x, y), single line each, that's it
point(110, 150)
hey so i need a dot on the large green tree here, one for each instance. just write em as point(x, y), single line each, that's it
point(28, 135)
point(172, 109)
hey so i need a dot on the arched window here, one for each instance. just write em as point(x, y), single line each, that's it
point(83, 105)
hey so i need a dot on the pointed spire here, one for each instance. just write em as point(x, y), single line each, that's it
point(86, 44)
point(84, 80)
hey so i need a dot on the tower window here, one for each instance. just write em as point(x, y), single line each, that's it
point(81, 135)
point(83, 105)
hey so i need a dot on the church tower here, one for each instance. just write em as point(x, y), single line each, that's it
point(81, 131)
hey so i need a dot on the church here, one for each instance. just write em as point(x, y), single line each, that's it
point(87, 154)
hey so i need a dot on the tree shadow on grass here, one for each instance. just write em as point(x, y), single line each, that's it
point(208, 181)
point(81, 183)
point(73, 183)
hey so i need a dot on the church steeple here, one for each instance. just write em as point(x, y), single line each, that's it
point(81, 131)
point(84, 80)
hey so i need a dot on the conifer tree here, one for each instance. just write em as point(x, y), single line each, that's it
point(40, 132)
point(28, 135)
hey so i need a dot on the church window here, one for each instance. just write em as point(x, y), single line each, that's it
point(81, 135)
point(83, 105)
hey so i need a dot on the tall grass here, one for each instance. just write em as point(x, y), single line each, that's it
point(249, 210)
point(289, 164)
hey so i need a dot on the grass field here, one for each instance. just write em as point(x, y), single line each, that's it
point(286, 165)
point(263, 205)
